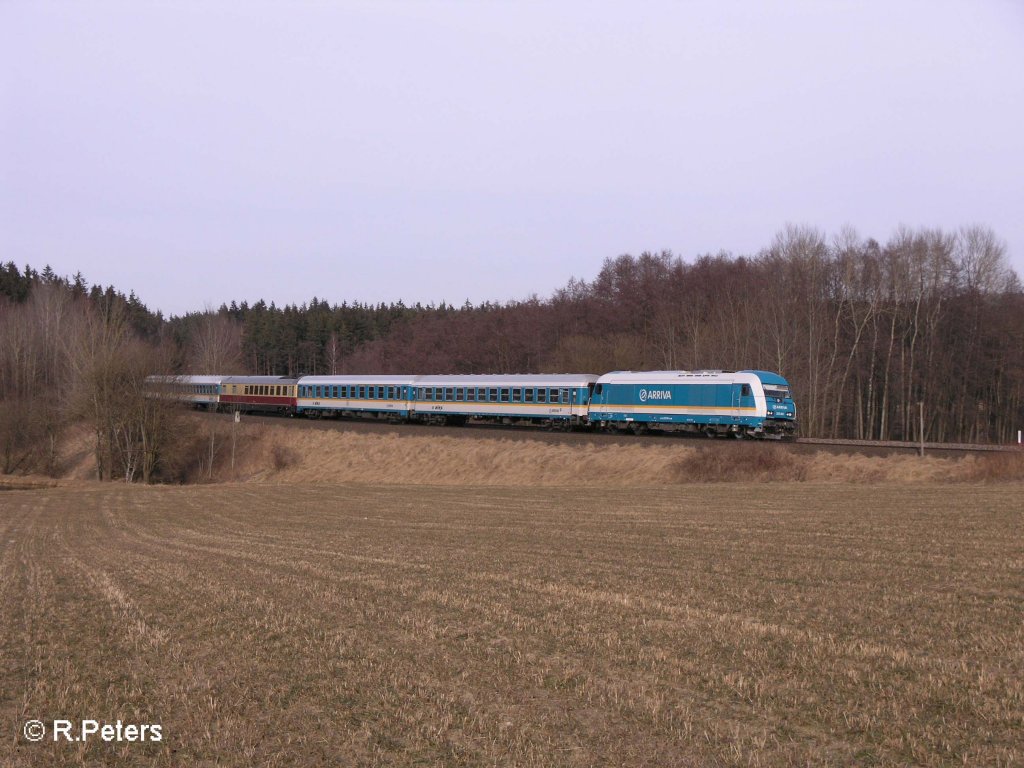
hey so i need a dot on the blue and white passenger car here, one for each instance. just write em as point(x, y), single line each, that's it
point(557, 400)
point(740, 403)
point(385, 397)
point(197, 391)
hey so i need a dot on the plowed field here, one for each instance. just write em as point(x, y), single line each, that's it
point(725, 624)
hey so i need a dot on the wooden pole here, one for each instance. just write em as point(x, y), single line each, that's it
point(234, 429)
point(920, 408)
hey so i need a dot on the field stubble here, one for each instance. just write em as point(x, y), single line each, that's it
point(717, 624)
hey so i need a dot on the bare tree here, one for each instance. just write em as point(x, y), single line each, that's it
point(216, 345)
point(97, 355)
point(333, 353)
point(31, 378)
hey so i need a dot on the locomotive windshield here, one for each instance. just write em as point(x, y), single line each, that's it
point(776, 391)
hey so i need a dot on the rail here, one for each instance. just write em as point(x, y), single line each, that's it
point(902, 444)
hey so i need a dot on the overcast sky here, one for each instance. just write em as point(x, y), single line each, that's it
point(376, 151)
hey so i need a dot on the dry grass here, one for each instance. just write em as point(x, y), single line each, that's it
point(998, 467)
point(279, 454)
point(327, 456)
point(721, 624)
point(266, 451)
point(26, 482)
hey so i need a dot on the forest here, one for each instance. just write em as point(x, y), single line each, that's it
point(864, 331)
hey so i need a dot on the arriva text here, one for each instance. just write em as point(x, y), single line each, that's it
point(655, 394)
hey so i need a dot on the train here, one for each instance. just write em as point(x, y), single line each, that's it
point(750, 403)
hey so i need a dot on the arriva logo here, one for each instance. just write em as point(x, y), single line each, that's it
point(654, 394)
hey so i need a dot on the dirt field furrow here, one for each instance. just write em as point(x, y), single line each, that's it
point(360, 625)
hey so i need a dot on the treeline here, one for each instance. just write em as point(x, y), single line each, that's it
point(865, 331)
point(17, 286)
point(70, 354)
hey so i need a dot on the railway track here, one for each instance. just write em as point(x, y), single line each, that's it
point(492, 432)
point(909, 446)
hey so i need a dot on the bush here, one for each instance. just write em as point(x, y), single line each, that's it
point(29, 431)
point(1005, 466)
point(739, 462)
point(282, 457)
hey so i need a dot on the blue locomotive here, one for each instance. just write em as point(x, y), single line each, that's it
point(738, 403)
